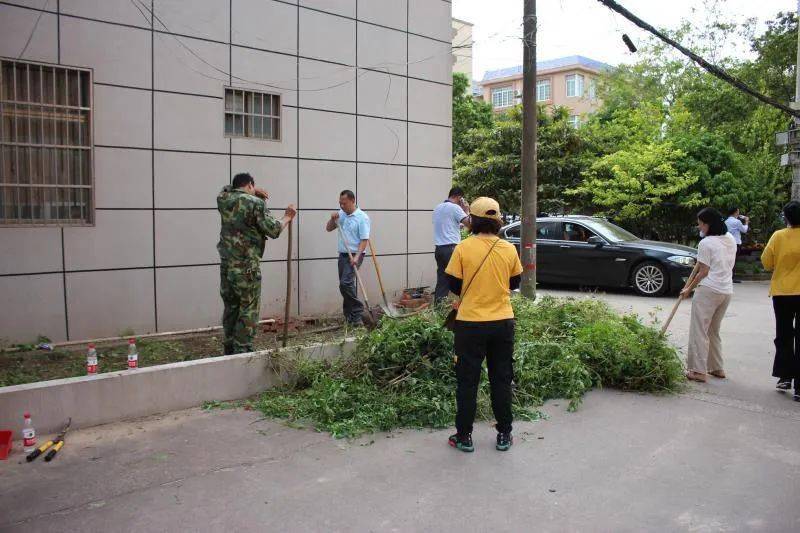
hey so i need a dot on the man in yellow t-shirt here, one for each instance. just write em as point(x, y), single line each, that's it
point(482, 271)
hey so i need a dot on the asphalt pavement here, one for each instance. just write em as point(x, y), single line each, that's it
point(724, 456)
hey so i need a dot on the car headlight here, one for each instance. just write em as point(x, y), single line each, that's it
point(684, 260)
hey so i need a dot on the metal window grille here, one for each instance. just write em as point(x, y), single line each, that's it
point(252, 114)
point(502, 97)
point(46, 144)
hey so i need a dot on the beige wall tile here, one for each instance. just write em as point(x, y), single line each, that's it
point(390, 13)
point(327, 86)
point(189, 123)
point(381, 140)
point(340, 7)
point(325, 135)
point(422, 270)
point(102, 304)
point(429, 145)
point(122, 117)
point(287, 146)
point(38, 308)
point(327, 37)
point(41, 249)
point(265, 24)
point(429, 60)
point(430, 18)
point(381, 94)
point(319, 288)
point(189, 298)
point(123, 178)
point(278, 176)
point(315, 242)
point(381, 186)
point(121, 11)
point(123, 58)
point(322, 181)
point(388, 231)
point(190, 180)
point(428, 187)
point(119, 239)
point(273, 289)
point(178, 69)
point(393, 274)
point(207, 19)
point(430, 102)
point(15, 27)
point(420, 232)
point(187, 237)
point(381, 49)
point(256, 70)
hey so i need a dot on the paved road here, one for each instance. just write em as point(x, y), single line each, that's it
point(723, 457)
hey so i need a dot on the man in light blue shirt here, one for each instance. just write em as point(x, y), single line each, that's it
point(353, 238)
point(737, 228)
point(448, 217)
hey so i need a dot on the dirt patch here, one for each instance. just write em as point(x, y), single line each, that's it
point(70, 361)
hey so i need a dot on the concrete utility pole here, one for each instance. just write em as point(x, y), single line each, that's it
point(795, 120)
point(529, 151)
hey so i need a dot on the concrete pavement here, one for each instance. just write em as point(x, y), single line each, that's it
point(722, 457)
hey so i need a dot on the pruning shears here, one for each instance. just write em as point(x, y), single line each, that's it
point(56, 445)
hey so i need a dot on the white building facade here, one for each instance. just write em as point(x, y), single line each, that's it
point(122, 120)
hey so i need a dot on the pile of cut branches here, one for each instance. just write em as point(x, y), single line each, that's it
point(401, 374)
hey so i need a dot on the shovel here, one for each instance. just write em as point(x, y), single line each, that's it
point(373, 319)
point(387, 307)
point(680, 299)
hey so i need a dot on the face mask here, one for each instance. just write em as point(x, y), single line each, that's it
point(702, 233)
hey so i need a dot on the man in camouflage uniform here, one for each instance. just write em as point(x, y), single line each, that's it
point(246, 224)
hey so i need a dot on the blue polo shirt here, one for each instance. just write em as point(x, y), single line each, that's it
point(355, 228)
point(447, 219)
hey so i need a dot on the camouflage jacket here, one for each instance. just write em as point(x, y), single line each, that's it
point(246, 224)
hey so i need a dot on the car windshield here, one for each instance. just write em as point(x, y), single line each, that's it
point(609, 231)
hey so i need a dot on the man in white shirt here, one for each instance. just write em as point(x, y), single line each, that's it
point(737, 226)
point(447, 220)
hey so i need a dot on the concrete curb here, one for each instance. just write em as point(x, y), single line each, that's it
point(114, 396)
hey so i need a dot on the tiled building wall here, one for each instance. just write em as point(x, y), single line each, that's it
point(149, 263)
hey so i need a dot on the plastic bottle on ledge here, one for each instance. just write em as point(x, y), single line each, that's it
point(133, 354)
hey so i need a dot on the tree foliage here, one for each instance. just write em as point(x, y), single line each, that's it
point(467, 112)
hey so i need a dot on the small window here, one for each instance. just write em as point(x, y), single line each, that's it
point(252, 114)
point(543, 90)
point(45, 144)
point(548, 230)
point(576, 232)
point(592, 89)
point(574, 85)
point(574, 121)
point(514, 232)
point(502, 97)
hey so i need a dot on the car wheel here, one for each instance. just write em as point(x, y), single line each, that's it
point(650, 279)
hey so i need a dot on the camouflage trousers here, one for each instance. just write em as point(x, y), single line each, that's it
point(240, 288)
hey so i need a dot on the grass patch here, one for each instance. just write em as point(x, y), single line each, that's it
point(401, 374)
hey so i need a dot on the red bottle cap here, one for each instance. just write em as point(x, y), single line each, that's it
point(91, 345)
point(27, 415)
point(131, 341)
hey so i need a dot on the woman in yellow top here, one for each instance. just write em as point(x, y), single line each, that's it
point(483, 270)
point(782, 258)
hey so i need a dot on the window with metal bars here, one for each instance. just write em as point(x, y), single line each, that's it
point(46, 143)
point(252, 114)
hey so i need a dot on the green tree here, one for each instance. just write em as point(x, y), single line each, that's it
point(467, 112)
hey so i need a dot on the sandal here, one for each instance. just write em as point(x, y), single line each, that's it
point(718, 374)
point(696, 376)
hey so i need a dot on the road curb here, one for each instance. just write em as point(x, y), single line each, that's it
point(126, 394)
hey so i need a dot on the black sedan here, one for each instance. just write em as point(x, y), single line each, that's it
point(582, 250)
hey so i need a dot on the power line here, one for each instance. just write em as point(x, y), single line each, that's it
point(708, 67)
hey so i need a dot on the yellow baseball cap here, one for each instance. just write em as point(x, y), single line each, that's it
point(486, 208)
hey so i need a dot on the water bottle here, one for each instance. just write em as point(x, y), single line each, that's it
point(91, 360)
point(133, 354)
point(28, 435)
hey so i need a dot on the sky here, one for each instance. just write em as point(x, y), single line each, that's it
point(586, 27)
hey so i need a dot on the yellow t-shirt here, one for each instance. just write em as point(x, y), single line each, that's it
point(782, 257)
point(488, 297)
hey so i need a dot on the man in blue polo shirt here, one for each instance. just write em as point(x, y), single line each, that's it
point(355, 227)
point(447, 220)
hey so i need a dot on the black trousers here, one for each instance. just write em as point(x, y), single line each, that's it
point(787, 338)
point(442, 254)
point(352, 308)
point(473, 342)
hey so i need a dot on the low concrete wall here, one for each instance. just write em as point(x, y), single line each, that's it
point(113, 396)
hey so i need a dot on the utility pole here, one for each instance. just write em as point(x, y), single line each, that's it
point(529, 151)
point(795, 120)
